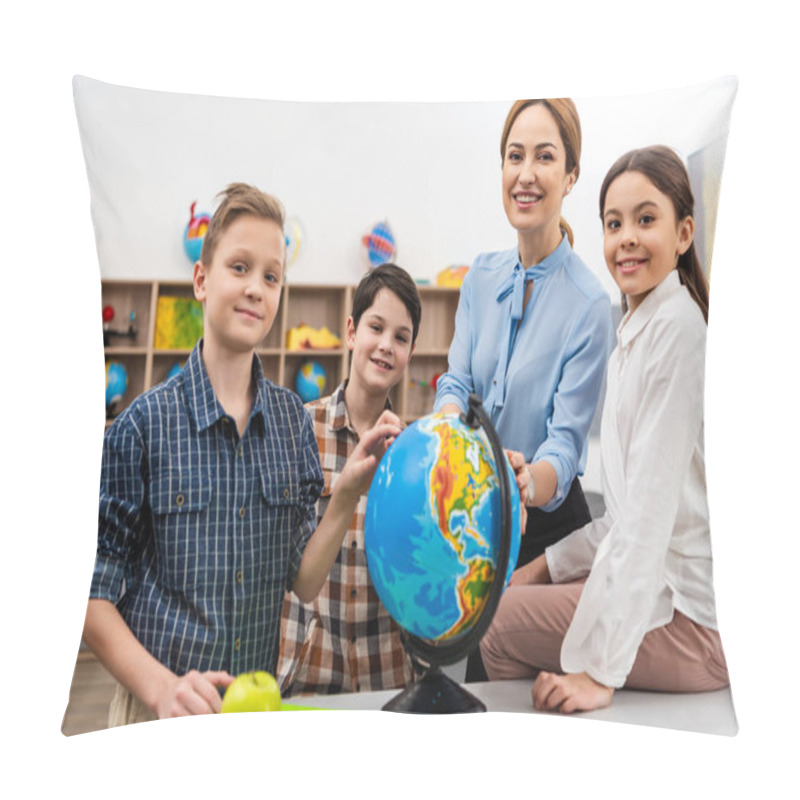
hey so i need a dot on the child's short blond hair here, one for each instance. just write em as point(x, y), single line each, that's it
point(239, 199)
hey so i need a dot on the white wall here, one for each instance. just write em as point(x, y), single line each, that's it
point(431, 169)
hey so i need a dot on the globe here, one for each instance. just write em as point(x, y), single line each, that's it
point(116, 382)
point(432, 526)
point(175, 369)
point(310, 381)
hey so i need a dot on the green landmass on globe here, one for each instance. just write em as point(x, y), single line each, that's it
point(432, 527)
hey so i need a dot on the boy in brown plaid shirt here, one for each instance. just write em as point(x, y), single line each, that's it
point(345, 640)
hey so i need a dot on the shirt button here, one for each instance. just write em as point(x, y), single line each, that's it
point(241, 512)
point(240, 451)
point(180, 500)
point(353, 593)
point(355, 543)
point(239, 576)
point(286, 493)
point(237, 643)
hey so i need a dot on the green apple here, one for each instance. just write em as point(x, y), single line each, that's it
point(252, 691)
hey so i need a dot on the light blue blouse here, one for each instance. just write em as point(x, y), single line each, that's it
point(541, 385)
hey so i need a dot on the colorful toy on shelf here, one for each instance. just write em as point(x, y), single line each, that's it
point(423, 384)
point(293, 231)
point(108, 331)
point(116, 385)
point(179, 323)
point(452, 276)
point(304, 337)
point(380, 244)
point(310, 381)
point(194, 233)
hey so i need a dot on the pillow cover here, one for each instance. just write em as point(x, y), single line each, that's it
point(155, 162)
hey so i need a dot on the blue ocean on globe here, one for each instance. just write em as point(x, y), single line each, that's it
point(432, 526)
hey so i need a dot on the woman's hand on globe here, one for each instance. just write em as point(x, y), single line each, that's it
point(523, 476)
point(567, 693)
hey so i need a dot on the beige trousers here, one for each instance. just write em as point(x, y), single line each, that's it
point(531, 621)
point(125, 709)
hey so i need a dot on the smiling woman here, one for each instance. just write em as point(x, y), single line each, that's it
point(533, 329)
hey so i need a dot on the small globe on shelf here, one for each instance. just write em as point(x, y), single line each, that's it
point(116, 385)
point(175, 369)
point(310, 381)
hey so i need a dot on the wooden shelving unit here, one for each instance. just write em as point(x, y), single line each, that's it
point(314, 304)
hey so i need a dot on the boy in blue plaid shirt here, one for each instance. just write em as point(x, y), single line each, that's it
point(208, 490)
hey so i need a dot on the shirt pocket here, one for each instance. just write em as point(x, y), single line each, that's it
point(280, 499)
point(180, 502)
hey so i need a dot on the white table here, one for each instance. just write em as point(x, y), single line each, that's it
point(706, 712)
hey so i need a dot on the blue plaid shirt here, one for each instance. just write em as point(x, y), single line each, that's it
point(202, 531)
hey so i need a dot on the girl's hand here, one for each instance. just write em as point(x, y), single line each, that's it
point(535, 571)
point(568, 693)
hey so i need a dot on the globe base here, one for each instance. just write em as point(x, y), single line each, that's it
point(434, 693)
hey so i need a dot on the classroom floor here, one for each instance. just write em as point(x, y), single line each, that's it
point(89, 696)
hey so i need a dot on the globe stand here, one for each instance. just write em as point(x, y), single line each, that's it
point(434, 692)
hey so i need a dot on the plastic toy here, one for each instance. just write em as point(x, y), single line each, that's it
point(116, 385)
point(179, 323)
point(304, 337)
point(310, 381)
point(422, 384)
point(452, 276)
point(194, 233)
point(108, 331)
point(380, 244)
point(294, 239)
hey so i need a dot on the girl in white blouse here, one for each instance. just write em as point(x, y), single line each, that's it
point(628, 599)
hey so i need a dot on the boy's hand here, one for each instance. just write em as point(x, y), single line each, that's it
point(568, 693)
point(357, 473)
point(192, 693)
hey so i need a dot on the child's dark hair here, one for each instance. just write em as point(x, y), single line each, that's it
point(239, 199)
point(665, 170)
point(397, 280)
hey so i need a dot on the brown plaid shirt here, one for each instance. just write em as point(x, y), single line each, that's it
point(345, 640)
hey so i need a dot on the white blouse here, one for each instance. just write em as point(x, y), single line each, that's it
point(651, 551)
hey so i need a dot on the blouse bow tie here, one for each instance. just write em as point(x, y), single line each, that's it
point(514, 284)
